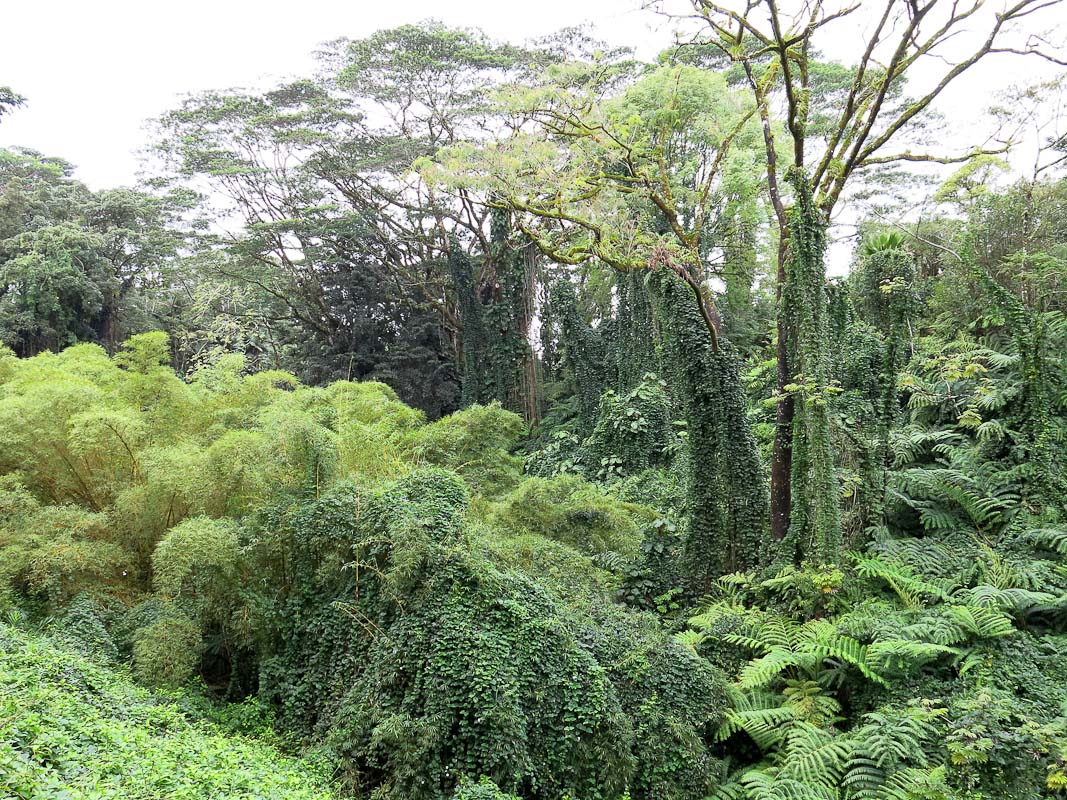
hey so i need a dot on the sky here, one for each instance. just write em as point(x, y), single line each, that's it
point(95, 72)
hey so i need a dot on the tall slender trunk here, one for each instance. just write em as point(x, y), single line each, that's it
point(531, 372)
point(782, 455)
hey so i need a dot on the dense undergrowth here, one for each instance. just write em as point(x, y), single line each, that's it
point(434, 623)
point(394, 589)
point(458, 609)
point(74, 729)
point(514, 445)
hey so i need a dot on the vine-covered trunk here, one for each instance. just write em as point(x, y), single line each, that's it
point(782, 454)
point(814, 515)
point(497, 308)
point(584, 352)
point(531, 368)
point(738, 274)
point(726, 490)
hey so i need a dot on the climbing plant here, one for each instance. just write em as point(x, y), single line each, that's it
point(815, 527)
point(726, 489)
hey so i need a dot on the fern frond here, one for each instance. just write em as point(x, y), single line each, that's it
point(825, 643)
point(893, 654)
point(908, 586)
point(983, 623)
point(770, 785)
point(815, 756)
point(759, 714)
point(763, 670)
point(733, 789)
point(1054, 539)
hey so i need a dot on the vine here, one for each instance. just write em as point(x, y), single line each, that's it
point(726, 487)
point(815, 526)
point(496, 311)
point(584, 352)
point(636, 353)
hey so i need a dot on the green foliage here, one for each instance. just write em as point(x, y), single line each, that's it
point(9, 100)
point(584, 354)
point(475, 442)
point(398, 592)
point(76, 264)
point(632, 433)
point(422, 661)
point(391, 587)
point(82, 628)
point(652, 582)
point(497, 359)
point(484, 789)
point(195, 558)
point(74, 729)
point(167, 652)
point(54, 551)
point(815, 527)
point(571, 511)
point(726, 485)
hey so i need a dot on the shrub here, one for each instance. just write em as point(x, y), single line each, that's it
point(196, 561)
point(167, 652)
point(475, 442)
point(569, 510)
point(74, 729)
point(484, 789)
point(423, 661)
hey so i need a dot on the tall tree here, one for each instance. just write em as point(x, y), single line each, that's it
point(831, 133)
point(9, 100)
point(319, 173)
point(609, 165)
point(76, 265)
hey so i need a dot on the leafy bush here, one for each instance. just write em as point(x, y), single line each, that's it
point(73, 729)
point(484, 789)
point(569, 510)
point(167, 652)
point(476, 443)
point(423, 661)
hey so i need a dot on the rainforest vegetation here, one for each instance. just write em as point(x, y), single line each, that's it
point(473, 420)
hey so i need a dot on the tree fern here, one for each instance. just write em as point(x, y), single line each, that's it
point(983, 623)
point(761, 715)
point(909, 587)
point(810, 703)
point(763, 670)
point(773, 785)
point(816, 757)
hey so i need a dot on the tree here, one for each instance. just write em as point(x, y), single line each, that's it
point(341, 240)
point(9, 100)
point(827, 143)
point(75, 265)
point(607, 165)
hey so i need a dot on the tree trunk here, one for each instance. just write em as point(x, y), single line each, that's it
point(782, 456)
point(531, 373)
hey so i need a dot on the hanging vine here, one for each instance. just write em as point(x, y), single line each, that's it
point(584, 355)
point(636, 352)
point(727, 486)
point(496, 310)
point(474, 340)
point(815, 526)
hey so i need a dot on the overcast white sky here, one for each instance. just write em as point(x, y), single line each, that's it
point(94, 71)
